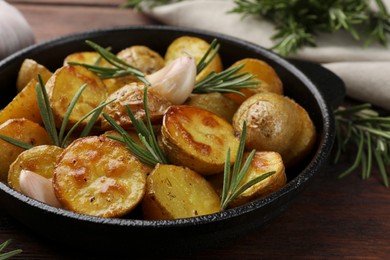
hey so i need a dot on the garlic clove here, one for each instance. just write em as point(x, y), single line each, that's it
point(176, 80)
point(38, 187)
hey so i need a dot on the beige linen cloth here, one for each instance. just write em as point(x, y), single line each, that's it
point(365, 71)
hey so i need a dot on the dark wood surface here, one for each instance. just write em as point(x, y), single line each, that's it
point(332, 219)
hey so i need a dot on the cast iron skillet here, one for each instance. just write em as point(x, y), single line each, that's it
point(318, 92)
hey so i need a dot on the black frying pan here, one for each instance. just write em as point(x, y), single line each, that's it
point(315, 88)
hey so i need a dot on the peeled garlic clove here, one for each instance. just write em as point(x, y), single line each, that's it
point(176, 80)
point(38, 187)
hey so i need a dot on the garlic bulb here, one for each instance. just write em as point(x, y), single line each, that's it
point(38, 187)
point(15, 32)
point(176, 80)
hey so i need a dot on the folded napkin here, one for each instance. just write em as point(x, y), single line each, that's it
point(365, 70)
point(15, 32)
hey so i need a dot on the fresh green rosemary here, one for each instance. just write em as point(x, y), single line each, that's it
point(232, 186)
point(298, 22)
point(60, 138)
point(150, 153)
point(136, 4)
point(9, 254)
point(120, 69)
point(364, 128)
point(208, 56)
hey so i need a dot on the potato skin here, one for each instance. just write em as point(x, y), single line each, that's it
point(29, 70)
point(62, 87)
point(40, 159)
point(196, 47)
point(274, 123)
point(177, 192)
point(23, 130)
point(197, 139)
point(24, 105)
point(143, 58)
point(132, 95)
point(214, 102)
point(263, 72)
point(98, 176)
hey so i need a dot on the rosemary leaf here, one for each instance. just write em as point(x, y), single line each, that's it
point(9, 254)
point(207, 57)
point(16, 142)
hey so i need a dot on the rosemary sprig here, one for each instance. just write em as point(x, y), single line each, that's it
point(232, 186)
point(120, 69)
point(150, 153)
point(369, 132)
point(208, 56)
point(59, 138)
point(298, 22)
point(9, 254)
point(227, 81)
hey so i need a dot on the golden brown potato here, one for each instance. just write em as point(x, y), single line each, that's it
point(176, 192)
point(87, 57)
point(29, 70)
point(263, 72)
point(62, 87)
point(142, 58)
point(133, 95)
point(196, 47)
point(24, 105)
point(214, 102)
point(274, 123)
point(100, 177)
point(262, 163)
point(23, 130)
point(198, 139)
point(40, 159)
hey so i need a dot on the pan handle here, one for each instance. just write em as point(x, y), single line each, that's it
point(329, 84)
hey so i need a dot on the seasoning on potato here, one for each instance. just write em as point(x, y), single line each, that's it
point(98, 176)
point(198, 139)
point(177, 192)
point(30, 69)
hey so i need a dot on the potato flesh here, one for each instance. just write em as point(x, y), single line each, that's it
point(40, 159)
point(176, 192)
point(196, 47)
point(198, 139)
point(29, 70)
point(100, 177)
point(24, 105)
point(23, 130)
point(63, 86)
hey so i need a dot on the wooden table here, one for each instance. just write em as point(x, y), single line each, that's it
point(331, 219)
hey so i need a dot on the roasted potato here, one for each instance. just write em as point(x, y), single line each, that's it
point(24, 105)
point(274, 123)
point(177, 192)
point(40, 159)
point(196, 47)
point(264, 73)
point(62, 87)
point(23, 130)
point(99, 176)
point(142, 58)
point(214, 102)
point(30, 70)
point(132, 95)
point(262, 163)
point(197, 139)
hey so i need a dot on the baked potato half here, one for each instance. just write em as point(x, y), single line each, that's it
point(275, 123)
point(30, 69)
point(195, 47)
point(40, 159)
point(98, 176)
point(177, 192)
point(23, 130)
point(63, 86)
point(198, 139)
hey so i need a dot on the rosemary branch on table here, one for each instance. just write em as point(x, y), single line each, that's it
point(9, 254)
point(362, 127)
